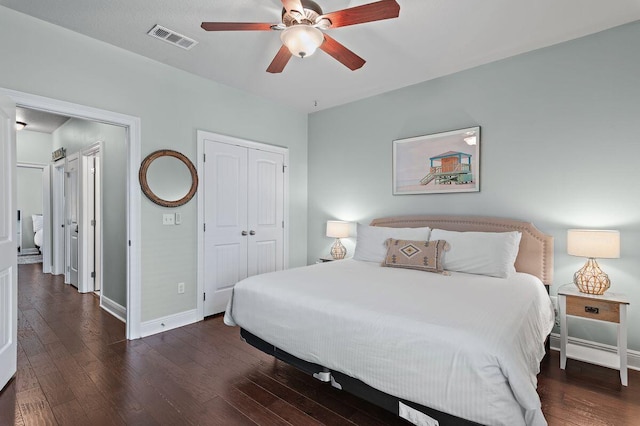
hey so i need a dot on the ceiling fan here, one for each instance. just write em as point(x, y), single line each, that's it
point(302, 26)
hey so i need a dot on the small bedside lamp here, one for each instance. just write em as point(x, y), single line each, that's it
point(338, 229)
point(592, 243)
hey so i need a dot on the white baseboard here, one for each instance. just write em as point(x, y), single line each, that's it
point(169, 322)
point(598, 353)
point(114, 308)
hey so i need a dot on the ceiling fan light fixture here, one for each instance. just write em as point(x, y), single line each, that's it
point(302, 40)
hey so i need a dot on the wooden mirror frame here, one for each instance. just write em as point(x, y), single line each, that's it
point(144, 184)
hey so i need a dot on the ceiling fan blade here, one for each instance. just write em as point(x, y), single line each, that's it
point(342, 54)
point(235, 26)
point(384, 9)
point(295, 5)
point(280, 60)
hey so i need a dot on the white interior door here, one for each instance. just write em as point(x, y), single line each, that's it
point(89, 226)
point(8, 257)
point(265, 212)
point(71, 222)
point(57, 219)
point(225, 237)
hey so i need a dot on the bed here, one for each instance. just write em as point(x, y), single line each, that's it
point(460, 348)
point(37, 230)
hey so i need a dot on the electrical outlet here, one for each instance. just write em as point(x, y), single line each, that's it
point(556, 310)
point(180, 288)
point(168, 219)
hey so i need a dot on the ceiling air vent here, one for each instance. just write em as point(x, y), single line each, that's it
point(165, 34)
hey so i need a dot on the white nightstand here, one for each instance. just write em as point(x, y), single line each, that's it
point(609, 307)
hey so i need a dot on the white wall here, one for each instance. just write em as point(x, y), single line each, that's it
point(172, 104)
point(560, 147)
point(33, 147)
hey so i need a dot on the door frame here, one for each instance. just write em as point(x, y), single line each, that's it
point(46, 212)
point(201, 136)
point(67, 223)
point(133, 139)
point(87, 194)
point(57, 217)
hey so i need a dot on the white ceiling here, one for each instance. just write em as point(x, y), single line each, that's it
point(39, 121)
point(431, 38)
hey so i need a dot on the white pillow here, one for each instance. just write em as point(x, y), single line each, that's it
point(482, 253)
point(370, 240)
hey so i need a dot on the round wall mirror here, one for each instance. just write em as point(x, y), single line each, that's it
point(168, 178)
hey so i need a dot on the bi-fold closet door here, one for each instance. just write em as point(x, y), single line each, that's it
point(244, 218)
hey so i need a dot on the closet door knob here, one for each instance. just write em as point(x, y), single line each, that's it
point(252, 232)
point(244, 233)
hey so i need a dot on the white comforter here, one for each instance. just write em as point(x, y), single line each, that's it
point(468, 345)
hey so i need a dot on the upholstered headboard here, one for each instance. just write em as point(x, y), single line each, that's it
point(535, 256)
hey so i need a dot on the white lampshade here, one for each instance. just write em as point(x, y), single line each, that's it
point(338, 229)
point(602, 244)
point(302, 40)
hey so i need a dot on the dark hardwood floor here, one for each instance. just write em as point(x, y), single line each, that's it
point(76, 368)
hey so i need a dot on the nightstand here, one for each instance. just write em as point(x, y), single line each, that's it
point(609, 307)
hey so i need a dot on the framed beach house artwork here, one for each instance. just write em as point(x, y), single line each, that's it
point(447, 162)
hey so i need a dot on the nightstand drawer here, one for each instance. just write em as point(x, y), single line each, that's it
point(594, 309)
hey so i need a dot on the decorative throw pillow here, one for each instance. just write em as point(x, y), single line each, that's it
point(421, 255)
point(482, 253)
point(370, 240)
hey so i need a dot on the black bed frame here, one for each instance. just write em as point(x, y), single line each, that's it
point(349, 384)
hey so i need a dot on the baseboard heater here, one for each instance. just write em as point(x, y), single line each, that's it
point(418, 414)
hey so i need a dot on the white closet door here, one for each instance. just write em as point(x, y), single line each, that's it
point(266, 212)
point(225, 211)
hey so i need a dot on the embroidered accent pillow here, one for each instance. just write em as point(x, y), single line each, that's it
point(421, 255)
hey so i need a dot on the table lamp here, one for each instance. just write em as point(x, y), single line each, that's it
point(338, 229)
point(591, 244)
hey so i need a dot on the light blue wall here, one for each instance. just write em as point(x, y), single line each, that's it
point(76, 135)
point(560, 147)
point(172, 105)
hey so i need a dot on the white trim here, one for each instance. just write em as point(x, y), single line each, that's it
point(57, 217)
point(132, 125)
point(169, 322)
point(201, 135)
point(96, 149)
point(114, 308)
point(46, 218)
point(31, 165)
point(598, 353)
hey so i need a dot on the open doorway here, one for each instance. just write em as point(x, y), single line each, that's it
point(127, 208)
point(76, 192)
